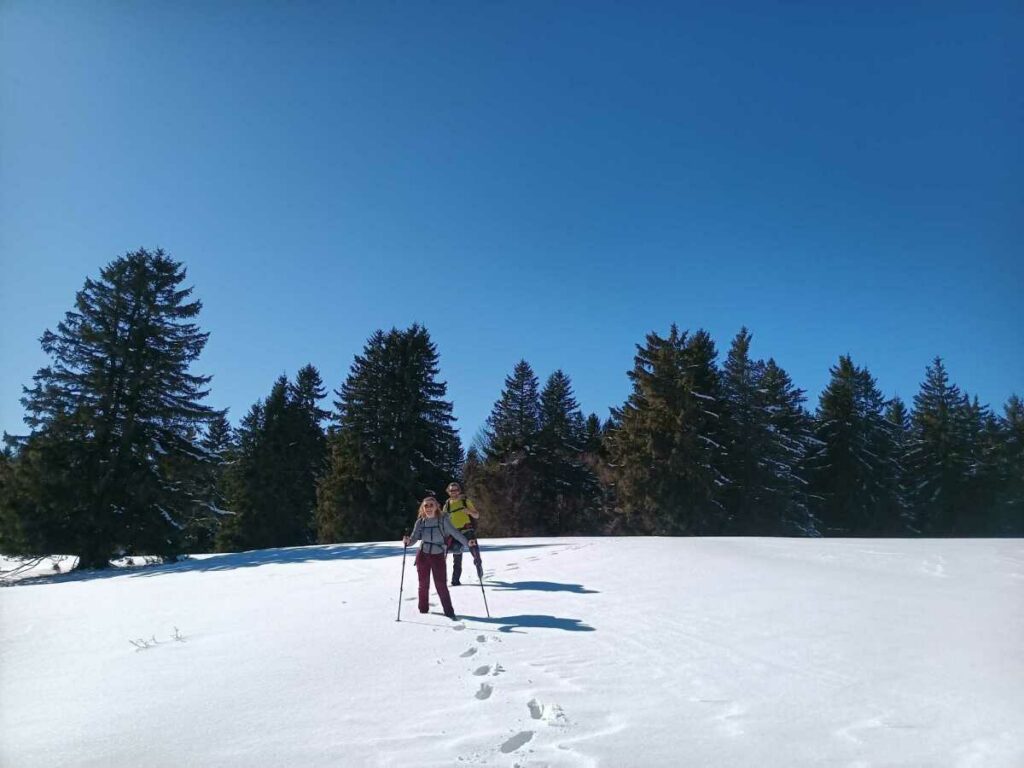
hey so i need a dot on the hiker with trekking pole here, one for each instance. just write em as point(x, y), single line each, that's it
point(432, 529)
point(464, 516)
point(462, 512)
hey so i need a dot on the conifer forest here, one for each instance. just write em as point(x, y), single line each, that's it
point(121, 456)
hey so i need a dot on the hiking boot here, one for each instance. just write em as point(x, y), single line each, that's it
point(456, 583)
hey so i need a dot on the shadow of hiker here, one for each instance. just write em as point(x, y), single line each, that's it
point(540, 586)
point(529, 620)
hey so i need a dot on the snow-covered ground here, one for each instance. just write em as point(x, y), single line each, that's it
point(612, 652)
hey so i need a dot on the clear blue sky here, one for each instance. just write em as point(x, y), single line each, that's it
point(535, 180)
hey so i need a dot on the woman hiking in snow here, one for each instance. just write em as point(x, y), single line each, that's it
point(432, 528)
point(463, 516)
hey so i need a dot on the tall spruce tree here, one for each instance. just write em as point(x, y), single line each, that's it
point(561, 421)
point(1009, 503)
point(392, 441)
point(117, 416)
point(854, 475)
point(605, 516)
point(256, 495)
point(11, 497)
point(509, 483)
point(514, 422)
point(272, 481)
point(985, 437)
point(471, 466)
point(202, 528)
point(309, 442)
point(746, 432)
point(897, 414)
point(568, 485)
point(940, 457)
point(593, 433)
point(789, 442)
point(767, 436)
point(666, 446)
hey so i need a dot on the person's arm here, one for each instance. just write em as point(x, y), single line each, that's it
point(471, 510)
point(416, 533)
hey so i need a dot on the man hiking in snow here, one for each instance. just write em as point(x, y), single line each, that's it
point(463, 516)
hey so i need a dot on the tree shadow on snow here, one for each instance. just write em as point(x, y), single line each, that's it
point(251, 559)
point(531, 621)
point(539, 586)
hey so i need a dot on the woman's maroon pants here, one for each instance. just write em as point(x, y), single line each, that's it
point(433, 564)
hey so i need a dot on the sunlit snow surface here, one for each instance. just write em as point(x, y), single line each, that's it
point(600, 652)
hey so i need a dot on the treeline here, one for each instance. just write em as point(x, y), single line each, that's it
point(124, 458)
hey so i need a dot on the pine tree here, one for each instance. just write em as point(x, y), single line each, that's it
point(509, 482)
point(202, 528)
point(392, 442)
point(985, 438)
point(746, 433)
point(514, 422)
point(767, 436)
point(940, 456)
point(561, 420)
point(308, 444)
point(219, 444)
point(343, 493)
point(471, 466)
point(280, 454)
point(255, 494)
point(12, 541)
point(1009, 505)
point(593, 433)
point(897, 414)
point(567, 484)
point(789, 442)
point(114, 412)
point(855, 478)
point(666, 447)
point(605, 516)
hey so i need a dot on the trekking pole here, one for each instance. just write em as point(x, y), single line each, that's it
point(480, 579)
point(401, 586)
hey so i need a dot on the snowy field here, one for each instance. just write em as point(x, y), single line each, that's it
point(599, 652)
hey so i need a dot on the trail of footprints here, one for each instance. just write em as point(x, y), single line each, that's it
point(551, 714)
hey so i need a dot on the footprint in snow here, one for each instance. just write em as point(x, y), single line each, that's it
point(551, 714)
point(482, 670)
point(514, 743)
point(498, 669)
point(467, 653)
point(486, 689)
